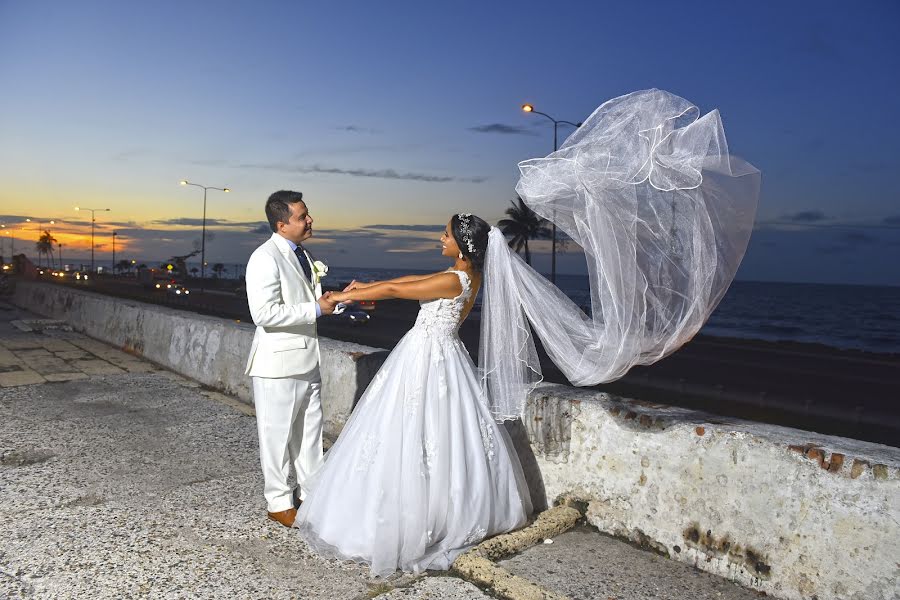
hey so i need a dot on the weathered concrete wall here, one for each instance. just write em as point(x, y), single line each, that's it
point(210, 350)
point(793, 513)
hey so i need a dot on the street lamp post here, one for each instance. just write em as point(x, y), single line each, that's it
point(530, 109)
point(203, 235)
point(59, 248)
point(93, 220)
point(114, 254)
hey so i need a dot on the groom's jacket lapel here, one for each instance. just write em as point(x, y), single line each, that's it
point(289, 256)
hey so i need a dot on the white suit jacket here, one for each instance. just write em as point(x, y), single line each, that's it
point(283, 306)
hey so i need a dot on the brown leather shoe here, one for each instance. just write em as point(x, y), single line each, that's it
point(285, 517)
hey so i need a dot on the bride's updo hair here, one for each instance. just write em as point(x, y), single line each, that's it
point(468, 228)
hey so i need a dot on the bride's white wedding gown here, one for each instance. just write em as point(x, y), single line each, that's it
point(421, 471)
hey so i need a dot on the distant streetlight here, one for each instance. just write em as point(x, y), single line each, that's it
point(529, 108)
point(203, 235)
point(93, 220)
point(114, 253)
point(59, 248)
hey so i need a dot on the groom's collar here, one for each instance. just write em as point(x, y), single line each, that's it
point(284, 243)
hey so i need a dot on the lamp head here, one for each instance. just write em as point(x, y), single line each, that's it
point(527, 107)
point(183, 182)
point(226, 190)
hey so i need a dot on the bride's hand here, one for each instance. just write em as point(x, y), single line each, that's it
point(341, 297)
point(353, 285)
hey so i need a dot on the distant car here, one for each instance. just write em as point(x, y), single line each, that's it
point(365, 304)
point(80, 276)
point(353, 316)
point(176, 289)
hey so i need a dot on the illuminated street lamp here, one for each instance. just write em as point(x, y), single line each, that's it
point(529, 108)
point(203, 235)
point(93, 220)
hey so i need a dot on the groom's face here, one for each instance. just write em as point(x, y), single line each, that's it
point(299, 225)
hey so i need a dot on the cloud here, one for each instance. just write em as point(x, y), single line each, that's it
point(806, 216)
point(502, 128)
point(263, 228)
point(375, 173)
point(131, 153)
point(209, 162)
point(892, 220)
point(194, 222)
point(434, 228)
point(357, 129)
point(855, 238)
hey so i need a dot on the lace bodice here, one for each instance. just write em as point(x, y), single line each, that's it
point(442, 316)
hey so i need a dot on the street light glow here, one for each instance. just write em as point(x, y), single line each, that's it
point(183, 182)
point(226, 190)
point(527, 107)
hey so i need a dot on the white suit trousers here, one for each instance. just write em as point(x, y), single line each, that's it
point(289, 422)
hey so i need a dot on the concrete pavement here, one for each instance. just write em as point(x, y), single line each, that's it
point(119, 479)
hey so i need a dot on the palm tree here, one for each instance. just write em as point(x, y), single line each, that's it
point(123, 265)
point(218, 269)
point(45, 246)
point(522, 225)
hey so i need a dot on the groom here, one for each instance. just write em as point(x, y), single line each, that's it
point(285, 299)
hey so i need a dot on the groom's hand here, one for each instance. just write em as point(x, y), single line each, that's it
point(327, 303)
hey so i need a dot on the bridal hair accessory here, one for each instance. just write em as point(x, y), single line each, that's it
point(647, 187)
point(464, 220)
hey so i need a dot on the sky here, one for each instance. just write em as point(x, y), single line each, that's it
point(392, 116)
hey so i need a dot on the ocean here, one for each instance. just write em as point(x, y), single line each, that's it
point(840, 316)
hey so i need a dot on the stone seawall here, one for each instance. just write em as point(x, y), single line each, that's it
point(210, 350)
point(792, 513)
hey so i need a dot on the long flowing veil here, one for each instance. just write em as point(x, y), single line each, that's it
point(647, 187)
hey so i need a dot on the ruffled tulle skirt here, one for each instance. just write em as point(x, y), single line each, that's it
point(421, 471)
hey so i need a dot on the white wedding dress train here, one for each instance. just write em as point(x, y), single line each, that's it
point(421, 471)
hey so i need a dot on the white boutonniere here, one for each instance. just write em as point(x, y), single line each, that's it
point(320, 269)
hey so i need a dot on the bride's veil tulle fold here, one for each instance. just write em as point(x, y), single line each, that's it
point(647, 187)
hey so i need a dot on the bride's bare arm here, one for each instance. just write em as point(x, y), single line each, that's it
point(356, 285)
point(440, 285)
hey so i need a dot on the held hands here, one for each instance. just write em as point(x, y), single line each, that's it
point(327, 302)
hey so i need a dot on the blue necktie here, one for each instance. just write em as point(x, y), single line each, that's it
point(304, 264)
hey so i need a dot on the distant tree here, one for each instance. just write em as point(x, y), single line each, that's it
point(194, 271)
point(218, 269)
point(523, 225)
point(45, 246)
point(141, 267)
point(123, 265)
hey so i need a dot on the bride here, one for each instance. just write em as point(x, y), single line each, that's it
point(663, 211)
point(421, 471)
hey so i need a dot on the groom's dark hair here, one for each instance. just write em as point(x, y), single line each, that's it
point(278, 207)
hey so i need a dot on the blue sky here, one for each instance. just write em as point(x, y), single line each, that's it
point(402, 113)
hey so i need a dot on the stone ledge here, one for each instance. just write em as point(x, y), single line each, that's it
point(792, 513)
